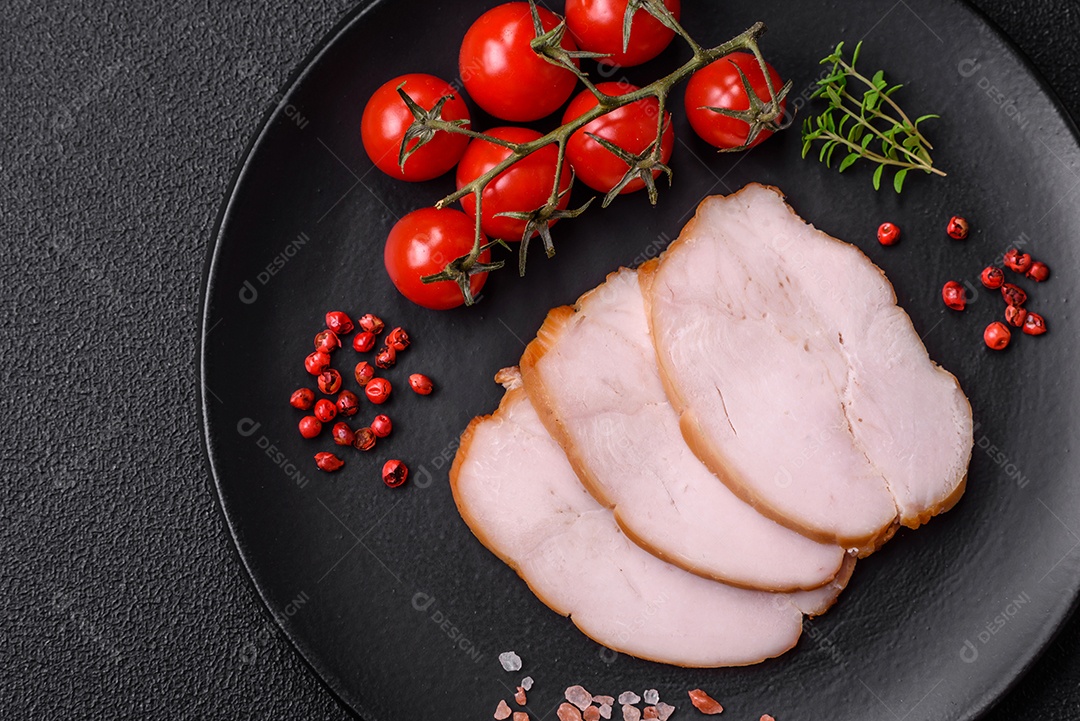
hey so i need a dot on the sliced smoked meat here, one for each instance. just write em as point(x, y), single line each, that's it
point(591, 373)
point(798, 379)
point(518, 493)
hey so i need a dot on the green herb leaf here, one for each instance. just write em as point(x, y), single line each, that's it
point(870, 123)
point(828, 156)
point(898, 180)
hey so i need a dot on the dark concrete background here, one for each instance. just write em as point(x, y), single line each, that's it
point(122, 123)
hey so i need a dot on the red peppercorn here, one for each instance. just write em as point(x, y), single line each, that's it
point(364, 439)
point(371, 323)
point(327, 341)
point(386, 358)
point(394, 473)
point(317, 362)
point(342, 434)
point(992, 277)
point(997, 335)
point(363, 341)
point(381, 426)
point(957, 228)
point(1013, 294)
point(397, 339)
point(1034, 324)
point(954, 296)
point(421, 384)
point(325, 410)
point(348, 403)
point(1015, 315)
point(329, 381)
point(328, 462)
point(302, 398)
point(363, 373)
point(377, 390)
point(310, 426)
point(1016, 261)
point(1038, 271)
point(888, 234)
point(339, 322)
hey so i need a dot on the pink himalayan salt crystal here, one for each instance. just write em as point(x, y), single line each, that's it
point(665, 710)
point(605, 710)
point(502, 711)
point(766, 717)
point(591, 714)
point(510, 661)
point(705, 703)
point(650, 713)
point(630, 713)
point(527, 683)
point(609, 700)
point(521, 716)
point(568, 712)
point(519, 697)
point(579, 697)
point(651, 696)
point(628, 697)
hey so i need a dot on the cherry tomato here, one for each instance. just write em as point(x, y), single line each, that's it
point(718, 85)
point(523, 187)
point(422, 243)
point(631, 127)
point(386, 118)
point(502, 72)
point(597, 25)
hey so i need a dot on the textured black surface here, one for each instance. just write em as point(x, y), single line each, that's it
point(122, 596)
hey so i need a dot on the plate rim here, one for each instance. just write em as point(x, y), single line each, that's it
point(984, 705)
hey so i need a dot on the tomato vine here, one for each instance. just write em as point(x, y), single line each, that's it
point(768, 114)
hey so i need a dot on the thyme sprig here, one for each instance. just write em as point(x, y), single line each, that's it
point(864, 120)
point(764, 113)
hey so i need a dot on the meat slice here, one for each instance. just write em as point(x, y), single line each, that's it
point(798, 379)
point(518, 493)
point(591, 373)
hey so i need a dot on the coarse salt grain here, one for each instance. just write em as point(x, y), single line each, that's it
point(578, 696)
point(527, 683)
point(628, 697)
point(510, 661)
point(605, 710)
point(766, 717)
point(630, 713)
point(502, 711)
point(650, 712)
point(568, 712)
point(664, 710)
point(651, 696)
point(521, 716)
point(705, 703)
point(591, 714)
point(519, 697)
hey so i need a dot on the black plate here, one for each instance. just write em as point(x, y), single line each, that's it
point(388, 595)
